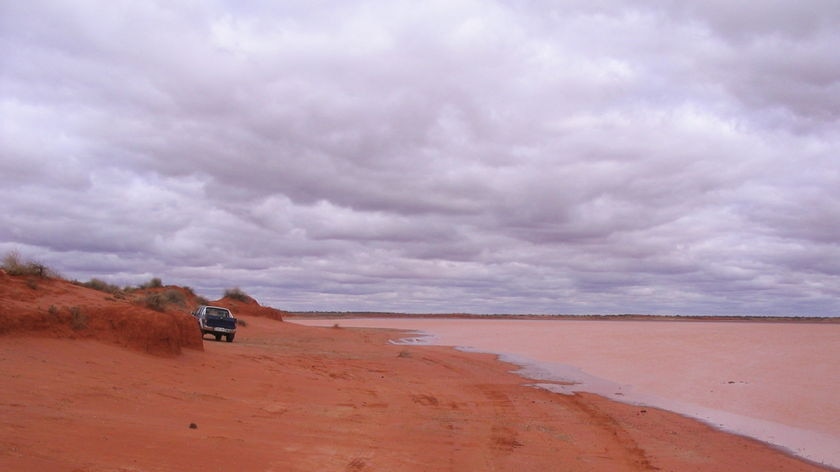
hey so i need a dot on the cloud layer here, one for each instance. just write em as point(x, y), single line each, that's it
point(479, 156)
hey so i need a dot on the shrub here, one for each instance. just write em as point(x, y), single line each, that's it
point(154, 301)
point(154, 282)
point(78, 320)
point(159, 301)
point(102, 286)
point(14, 264)
point(237, 294)
point(175, 297)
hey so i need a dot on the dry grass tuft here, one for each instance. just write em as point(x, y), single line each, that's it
point(14, 264)
point(159, 301)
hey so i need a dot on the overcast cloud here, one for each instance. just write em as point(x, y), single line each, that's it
point(608, 156)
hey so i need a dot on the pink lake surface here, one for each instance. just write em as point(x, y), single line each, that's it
point(776, 382)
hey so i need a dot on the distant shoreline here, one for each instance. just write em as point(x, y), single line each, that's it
point(614, 317)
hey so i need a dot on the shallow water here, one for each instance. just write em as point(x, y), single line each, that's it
point(776, 382)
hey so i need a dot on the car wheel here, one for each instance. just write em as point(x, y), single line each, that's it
point(217, 336)
point(229, 338)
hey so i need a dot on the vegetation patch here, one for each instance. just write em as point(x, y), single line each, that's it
point(101, 286)
point(236, 293)
point(78, 320)
point(159, 301)
point(14, 264)
point(154, 282)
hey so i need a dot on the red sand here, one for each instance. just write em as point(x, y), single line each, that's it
point(777, 382)
point(294, 398)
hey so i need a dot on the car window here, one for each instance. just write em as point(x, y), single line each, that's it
point(217, 312)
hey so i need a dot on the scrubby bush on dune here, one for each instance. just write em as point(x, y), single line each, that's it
point(101, 286)
point(154, 282)
point(14, 264)
point(237, 294)
point(159, 301)
point(78, 320)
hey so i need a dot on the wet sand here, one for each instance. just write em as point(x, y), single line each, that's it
point(776, 382)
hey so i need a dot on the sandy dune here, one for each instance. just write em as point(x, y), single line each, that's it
point(285, 397)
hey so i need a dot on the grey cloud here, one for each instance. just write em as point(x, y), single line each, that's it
point(739, 21)
point(455, 156)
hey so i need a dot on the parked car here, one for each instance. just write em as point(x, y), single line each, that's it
point(217, 321)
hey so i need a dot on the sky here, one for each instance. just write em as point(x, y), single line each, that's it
point(581, 156)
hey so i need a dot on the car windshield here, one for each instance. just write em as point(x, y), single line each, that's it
point(218, 312)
